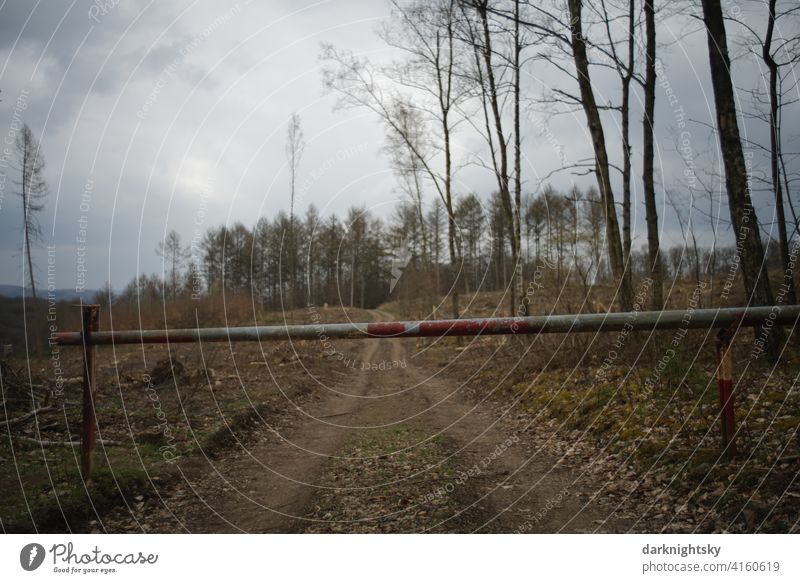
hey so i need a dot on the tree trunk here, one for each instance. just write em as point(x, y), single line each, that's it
point(775, 148)
point(651, 210)
point(426, 261)
point(501, 172)
point(27, 219)
point(615, 253)
point(626, 142)
point(30, 258)
point(451, 219)
point(445, 81)
point(522, 309)
point(743, 215)
point(353, 278)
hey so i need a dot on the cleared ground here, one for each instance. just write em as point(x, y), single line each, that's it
point(405, 435)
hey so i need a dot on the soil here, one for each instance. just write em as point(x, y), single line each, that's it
point(385, 441)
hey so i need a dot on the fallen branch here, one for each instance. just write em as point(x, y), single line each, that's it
point(26, 416)
point(47, 442)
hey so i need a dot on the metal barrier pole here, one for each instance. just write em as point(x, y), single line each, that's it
point(91, 323)
point(553, 324)
point(725, 388)
point(727, 319)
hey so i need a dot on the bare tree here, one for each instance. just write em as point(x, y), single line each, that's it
point(311, 251)
point(648, 171)
point(780, 56)
point(619, 266)
point(686, 225)
point(295, 146)
point(775, 146)
point(490, 68)
point(32, 189)
point(174, 256)
point(775, 58)
point(403, 148)
point(425, 32)
point(522, 310)
point(743, 215)
point(624, 64)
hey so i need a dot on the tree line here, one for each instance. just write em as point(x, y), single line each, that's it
point(363, 261)
point(463, 65)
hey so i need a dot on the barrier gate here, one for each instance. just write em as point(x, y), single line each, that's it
point(726, 320)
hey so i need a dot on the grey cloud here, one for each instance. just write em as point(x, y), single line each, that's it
point(221, 112)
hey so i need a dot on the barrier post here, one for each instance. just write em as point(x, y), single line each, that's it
point(91, 323)
point(725, 388)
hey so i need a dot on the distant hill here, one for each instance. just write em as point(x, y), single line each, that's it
point(62, 295)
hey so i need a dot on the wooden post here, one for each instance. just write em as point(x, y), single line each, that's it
point(725, 388)
point(91, 323)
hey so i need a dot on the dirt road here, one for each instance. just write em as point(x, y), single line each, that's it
point(393, 445)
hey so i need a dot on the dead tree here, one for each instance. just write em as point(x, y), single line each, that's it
point(295, 145)
point(32, 189)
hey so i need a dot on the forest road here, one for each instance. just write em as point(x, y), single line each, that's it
point(393, 445)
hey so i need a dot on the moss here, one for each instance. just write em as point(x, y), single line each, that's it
point(789, 423)
point(76, 504)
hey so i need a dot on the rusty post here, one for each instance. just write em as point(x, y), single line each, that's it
point(91, 324)
point(725, 388)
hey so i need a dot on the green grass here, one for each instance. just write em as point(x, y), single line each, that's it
point(69, 500)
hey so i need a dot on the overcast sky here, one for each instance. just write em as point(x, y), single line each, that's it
point(172, 115)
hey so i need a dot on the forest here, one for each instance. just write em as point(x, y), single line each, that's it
point(364, 261)
point(544, 158)
point(470, 67)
